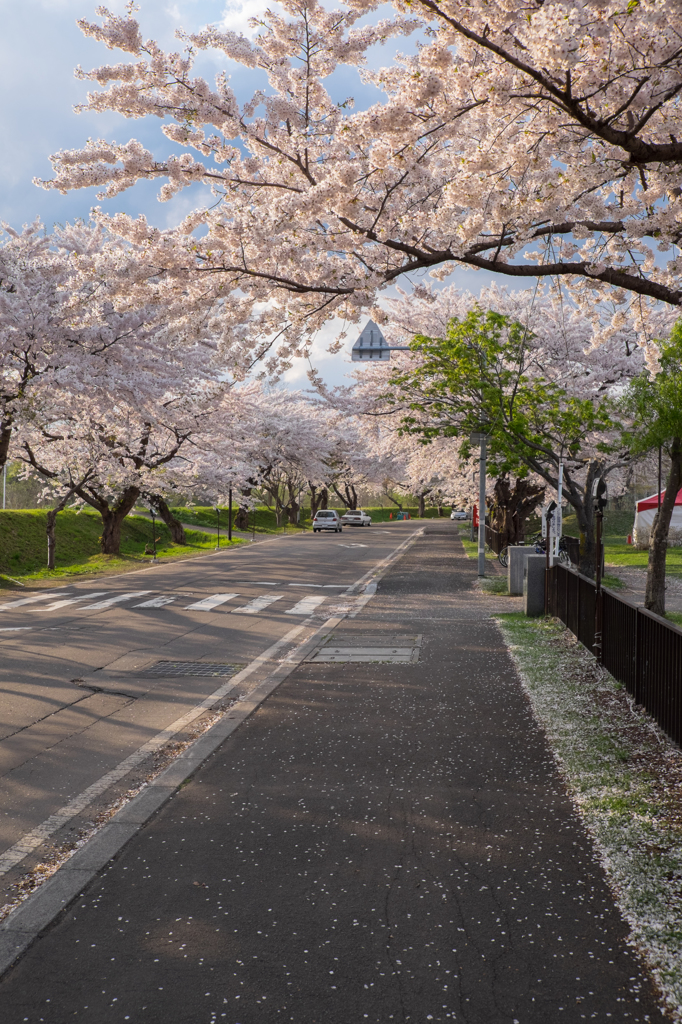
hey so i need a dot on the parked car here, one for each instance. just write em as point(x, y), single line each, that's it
point(356, 517)
point(327, 519)
point(458, 513)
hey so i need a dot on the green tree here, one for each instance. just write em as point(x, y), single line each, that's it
point(654, 404)
point(488, 373)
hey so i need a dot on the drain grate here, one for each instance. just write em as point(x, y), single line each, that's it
point(369, 648)
point(191, 668)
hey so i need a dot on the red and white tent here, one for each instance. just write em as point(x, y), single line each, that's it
point(646, 510)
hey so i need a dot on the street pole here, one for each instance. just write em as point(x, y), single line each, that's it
point(599, 494)
point(598, 593)
point(153, 532)
point(548, 521)
point(481, 505)
point(229, 515)
point(559, 514)
point(218, 514)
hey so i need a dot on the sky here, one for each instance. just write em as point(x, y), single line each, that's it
point(40, 46)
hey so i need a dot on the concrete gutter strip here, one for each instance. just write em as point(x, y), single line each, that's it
point(30, 918)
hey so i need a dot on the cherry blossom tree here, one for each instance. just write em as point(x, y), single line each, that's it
point(524, 368)
point(533, 142)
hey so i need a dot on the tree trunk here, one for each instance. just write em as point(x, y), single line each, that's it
point(5, 437)
point(512, 506)
point(585, 519)
point(51, 538)
point(177, 530)
point(349, 498)
point(654, 598)
point(317, 501)
point(390, 498)
point(50, 527)
point(422, 504)
point(112, 520)
point(241, 519)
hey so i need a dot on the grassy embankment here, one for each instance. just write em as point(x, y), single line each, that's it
point(23, 545)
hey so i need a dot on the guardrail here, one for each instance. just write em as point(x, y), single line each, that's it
point(641, 650)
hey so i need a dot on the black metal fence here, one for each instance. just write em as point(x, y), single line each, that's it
point(640, 649)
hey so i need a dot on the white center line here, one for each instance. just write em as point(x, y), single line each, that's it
point(31, 600)
point(72, 600)
point(116, 599)
point(306, 605)
point(210, 602)
point(257, 605)
point(156, 602)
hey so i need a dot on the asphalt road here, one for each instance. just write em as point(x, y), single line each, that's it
point(377, 842)
point(88, 671)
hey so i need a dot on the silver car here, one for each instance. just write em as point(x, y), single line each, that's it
point(327, 519)
point(356, 517)
point(458, 513)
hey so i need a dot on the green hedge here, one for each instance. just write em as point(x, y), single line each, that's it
point(266, 521)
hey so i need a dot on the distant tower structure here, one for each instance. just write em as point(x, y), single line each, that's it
point(371, 344)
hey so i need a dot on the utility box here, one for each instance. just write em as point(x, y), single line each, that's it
point(534, 585)
point(515, 566)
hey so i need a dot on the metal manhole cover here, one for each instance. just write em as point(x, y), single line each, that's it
point(191, 668)
point(370, 648)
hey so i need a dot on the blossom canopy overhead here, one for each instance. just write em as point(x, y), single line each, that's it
point(532, 140)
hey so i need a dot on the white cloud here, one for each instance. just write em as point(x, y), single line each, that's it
point(237, 14)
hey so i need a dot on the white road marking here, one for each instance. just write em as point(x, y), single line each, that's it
point(33, 839)
point(72, 600)
point(208, 603)
point(156, 602)
point(257, 605)
point(115, 600)
point(13, 629)
point(31, 600)
point(306, 606)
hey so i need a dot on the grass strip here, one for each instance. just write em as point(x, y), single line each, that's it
point(625, 777)
point(23, 545)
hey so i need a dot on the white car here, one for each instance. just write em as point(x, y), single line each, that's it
point(458, 513)
point(327, 519)
point(356, 517)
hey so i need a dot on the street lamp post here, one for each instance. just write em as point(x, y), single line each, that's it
point(217, 512)
point(599, 494)
point(480, 438)
point(549, 515)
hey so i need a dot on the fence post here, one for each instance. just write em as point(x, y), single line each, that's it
point(638, 667)
point(598, 604)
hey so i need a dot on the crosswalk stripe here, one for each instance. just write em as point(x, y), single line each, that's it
point(72, 600)
point(31, 600)
point(210, 602)
point(257, 605)
point(156, 602)
point(115, 600)
point(306, 605)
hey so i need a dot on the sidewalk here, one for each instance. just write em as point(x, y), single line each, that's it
point(378, 842)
